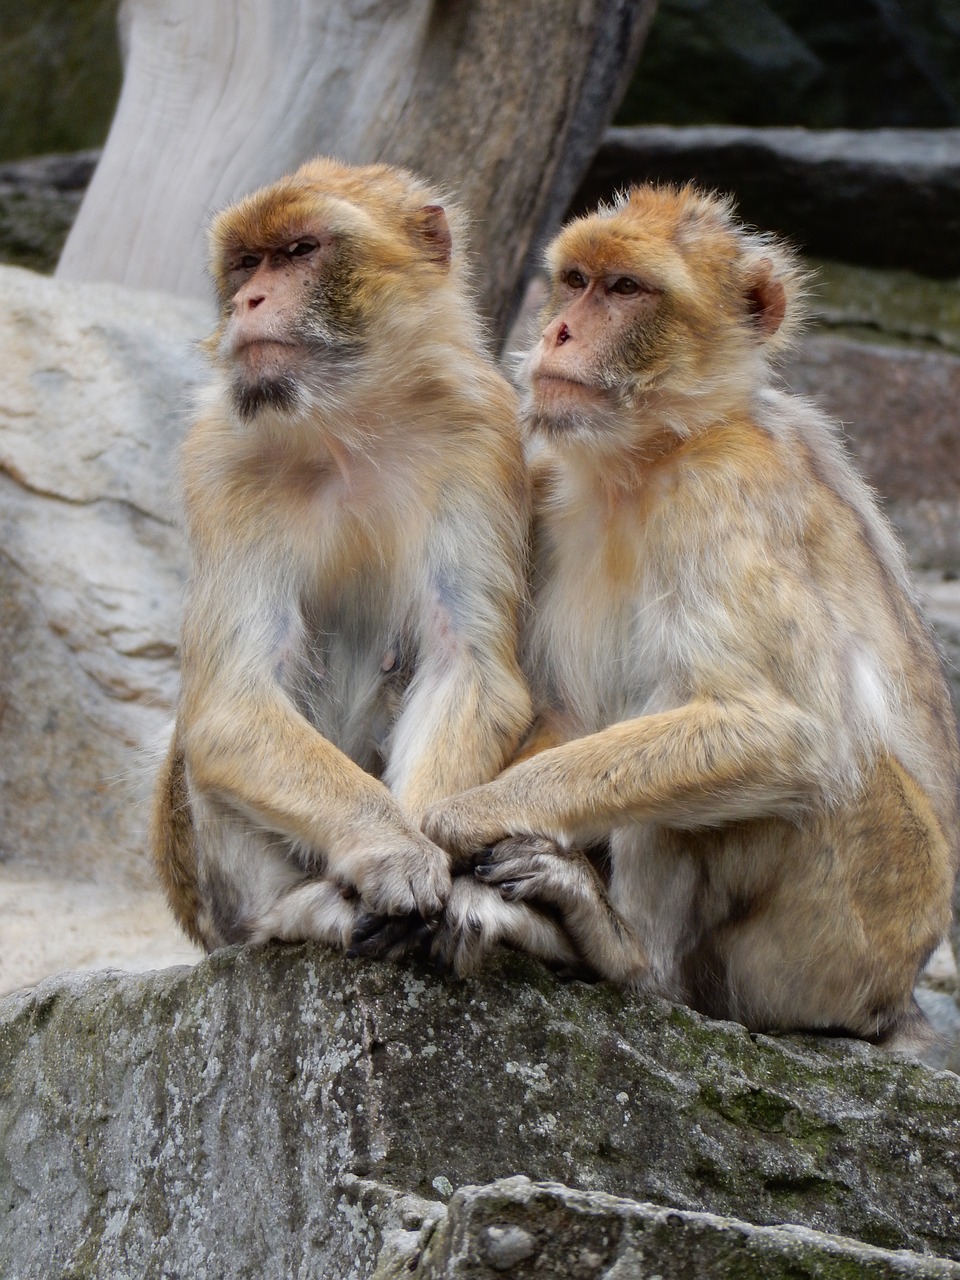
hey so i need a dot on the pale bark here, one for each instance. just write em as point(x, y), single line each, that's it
point(501, 102)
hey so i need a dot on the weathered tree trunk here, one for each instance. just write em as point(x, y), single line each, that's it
point(503, 103)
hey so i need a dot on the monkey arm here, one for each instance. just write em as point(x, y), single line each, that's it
point(467, 707)
point(260, 757)
point(705, 763)
point(459, 727)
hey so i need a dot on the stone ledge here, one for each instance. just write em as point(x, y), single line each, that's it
point(884, 197)
point(215, 1120)
point(526, 1229)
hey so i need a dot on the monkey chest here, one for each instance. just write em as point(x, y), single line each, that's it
point(350, 682)
point(597, 659)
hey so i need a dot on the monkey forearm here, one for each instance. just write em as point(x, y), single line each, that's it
point(456, 733)
point(704, 763)
point(266, 761)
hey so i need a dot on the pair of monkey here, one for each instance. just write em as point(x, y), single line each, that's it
point(722, 670)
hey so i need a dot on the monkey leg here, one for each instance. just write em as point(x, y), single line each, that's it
point(535, 870)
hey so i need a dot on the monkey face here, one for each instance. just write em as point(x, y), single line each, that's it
point(291, 324)
point(658, 300)
point(309, 271)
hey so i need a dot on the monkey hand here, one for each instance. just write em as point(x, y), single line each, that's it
point(467, 823)
point(535, 873)
point(537, 869)
point(400, 874)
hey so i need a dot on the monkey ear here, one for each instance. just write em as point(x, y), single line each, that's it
point(766, 298)
point(434, 232)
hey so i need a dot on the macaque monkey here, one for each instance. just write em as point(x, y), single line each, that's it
point(732, 680)
point(357, 512)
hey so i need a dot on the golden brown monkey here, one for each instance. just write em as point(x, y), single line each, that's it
point(356, 508)
point(730, 671)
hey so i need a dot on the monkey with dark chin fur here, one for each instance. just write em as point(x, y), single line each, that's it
point(357, 512)
point(733, 682)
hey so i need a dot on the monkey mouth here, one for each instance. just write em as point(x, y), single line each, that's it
point(256, 351)
point(548, 386)
point(544, 376)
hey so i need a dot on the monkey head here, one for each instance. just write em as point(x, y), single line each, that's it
point(660, 308)
point(309, 274)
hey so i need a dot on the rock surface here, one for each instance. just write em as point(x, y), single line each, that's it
point(885, 198)
point(39, 200)
point(527, 1229)
point(92, 401)
point(899, 410)
point(857, 65)
point(236, 1118)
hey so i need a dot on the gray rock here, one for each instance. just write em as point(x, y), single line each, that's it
point(236, 1119)
point(884, 197)
point(39, 199)
point(93, 397)
point(899, 411)
point(857, 65)
point(590, 1236)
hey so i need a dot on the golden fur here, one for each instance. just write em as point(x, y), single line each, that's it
point(356, 508)
point(735, 684)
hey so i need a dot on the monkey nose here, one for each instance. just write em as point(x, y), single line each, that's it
point(247, 301)
point(557, 334)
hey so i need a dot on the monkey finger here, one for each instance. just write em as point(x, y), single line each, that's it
point(498, 871)
point(510, 889)
point(525, 847)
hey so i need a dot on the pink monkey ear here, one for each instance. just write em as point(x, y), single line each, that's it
point(766, 299)
point(434, 232)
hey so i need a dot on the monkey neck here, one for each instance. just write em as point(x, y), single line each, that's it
point(691, 402)
point(609, 483)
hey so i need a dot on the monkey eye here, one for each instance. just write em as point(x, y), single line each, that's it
point(575, 280)
point(625, 286)
point(247, 261)
point(300, 248)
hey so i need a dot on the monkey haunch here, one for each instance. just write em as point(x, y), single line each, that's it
point(731, 674)
point(356, 509)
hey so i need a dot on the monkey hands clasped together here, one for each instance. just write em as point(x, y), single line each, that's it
point(732, 679)
point(357, 513)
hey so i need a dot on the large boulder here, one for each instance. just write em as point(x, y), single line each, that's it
point(883, 198)
point(266, 1112)
point(93, 398)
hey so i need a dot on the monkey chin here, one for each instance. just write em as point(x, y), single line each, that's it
point(564, 412)
point(278, 393)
